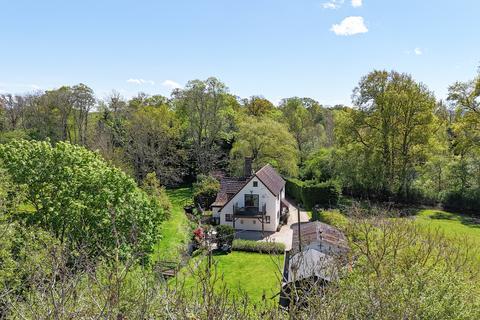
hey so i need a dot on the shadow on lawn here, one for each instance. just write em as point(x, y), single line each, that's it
point(467, 220)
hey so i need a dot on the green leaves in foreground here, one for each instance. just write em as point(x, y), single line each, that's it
point(80, 199)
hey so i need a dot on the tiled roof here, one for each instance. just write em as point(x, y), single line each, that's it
point(271, 179)
point(318, 232)
point(228, 186)
point(231, 186)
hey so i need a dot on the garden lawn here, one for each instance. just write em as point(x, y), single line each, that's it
point(256, 274)
point(176, 231)
point(453, 225)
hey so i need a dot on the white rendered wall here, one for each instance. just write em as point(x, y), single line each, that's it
point(265, 197)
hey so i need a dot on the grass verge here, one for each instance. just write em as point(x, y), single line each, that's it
point(176, 231)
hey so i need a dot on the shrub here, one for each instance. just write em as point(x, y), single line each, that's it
point(225, 235)
point(311, 193)
point(205, 190)
point(333, 218)
point(258, 246)
point(152, 187)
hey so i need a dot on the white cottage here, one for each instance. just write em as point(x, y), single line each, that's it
point(254, 202)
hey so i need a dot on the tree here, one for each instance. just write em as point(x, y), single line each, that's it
point(266, 141)
point(258, 106)
point(83, 101)
point(304, 118)
point(81, 200)
point(204, 107)
point(391, 127)
point(152, 144)
point(13, 107)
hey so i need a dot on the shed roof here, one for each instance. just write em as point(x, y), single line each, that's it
point(312, 263)
point(321, 233)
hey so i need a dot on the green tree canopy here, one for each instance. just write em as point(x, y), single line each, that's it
point(391, 127)
point(266, 141)
point(80, 199)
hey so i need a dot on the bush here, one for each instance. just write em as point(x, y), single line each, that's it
point(332, 217)
point(311, 193)
point(225, 235)
point(258, 246)
point(205, 191)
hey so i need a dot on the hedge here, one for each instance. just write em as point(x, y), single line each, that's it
point(311, 193)
point(258, 246)
point(468, 201)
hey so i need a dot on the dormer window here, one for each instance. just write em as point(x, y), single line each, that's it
point(255, 184)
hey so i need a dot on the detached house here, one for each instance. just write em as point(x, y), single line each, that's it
point(253, 202)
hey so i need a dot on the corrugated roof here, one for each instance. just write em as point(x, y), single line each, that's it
point(309, 263)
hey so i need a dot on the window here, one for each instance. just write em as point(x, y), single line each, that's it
point(254, 222)
point(255, 184)
point(241, 221)
point(251, 200)
point(228, 217)
point(267, 219)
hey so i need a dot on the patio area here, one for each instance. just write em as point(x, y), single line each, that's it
point(285, 234)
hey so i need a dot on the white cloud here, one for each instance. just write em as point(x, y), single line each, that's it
point(418, 51)
point(141, 81)
point(171, 84)
point(333, 4)
point(350, 26)
point(356, 3)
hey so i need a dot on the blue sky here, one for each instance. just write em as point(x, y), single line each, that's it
point(274, 48)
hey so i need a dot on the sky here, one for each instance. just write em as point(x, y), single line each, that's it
point(274, 48)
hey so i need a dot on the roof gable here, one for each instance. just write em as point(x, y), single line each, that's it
point(267, 175)
point(271, 179)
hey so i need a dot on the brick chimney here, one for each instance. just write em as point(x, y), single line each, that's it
point(247, 167)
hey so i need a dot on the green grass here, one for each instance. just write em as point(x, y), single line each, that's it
point(451, 224)
point(176, 231)
point(334, 218)
point(255, 274)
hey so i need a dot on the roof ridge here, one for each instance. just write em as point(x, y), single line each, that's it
point(267, 165)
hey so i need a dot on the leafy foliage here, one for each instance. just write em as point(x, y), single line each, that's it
point(205, 190)
point(81, 200)
point(225, 235)
point(266, 141)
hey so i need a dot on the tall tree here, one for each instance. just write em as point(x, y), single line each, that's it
point(258, 106)
point(392, 125)
point(83, 101)
point(153, 144)
point(304, 117)
point(266, 141)
point(13, 107)
point(204, 107)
